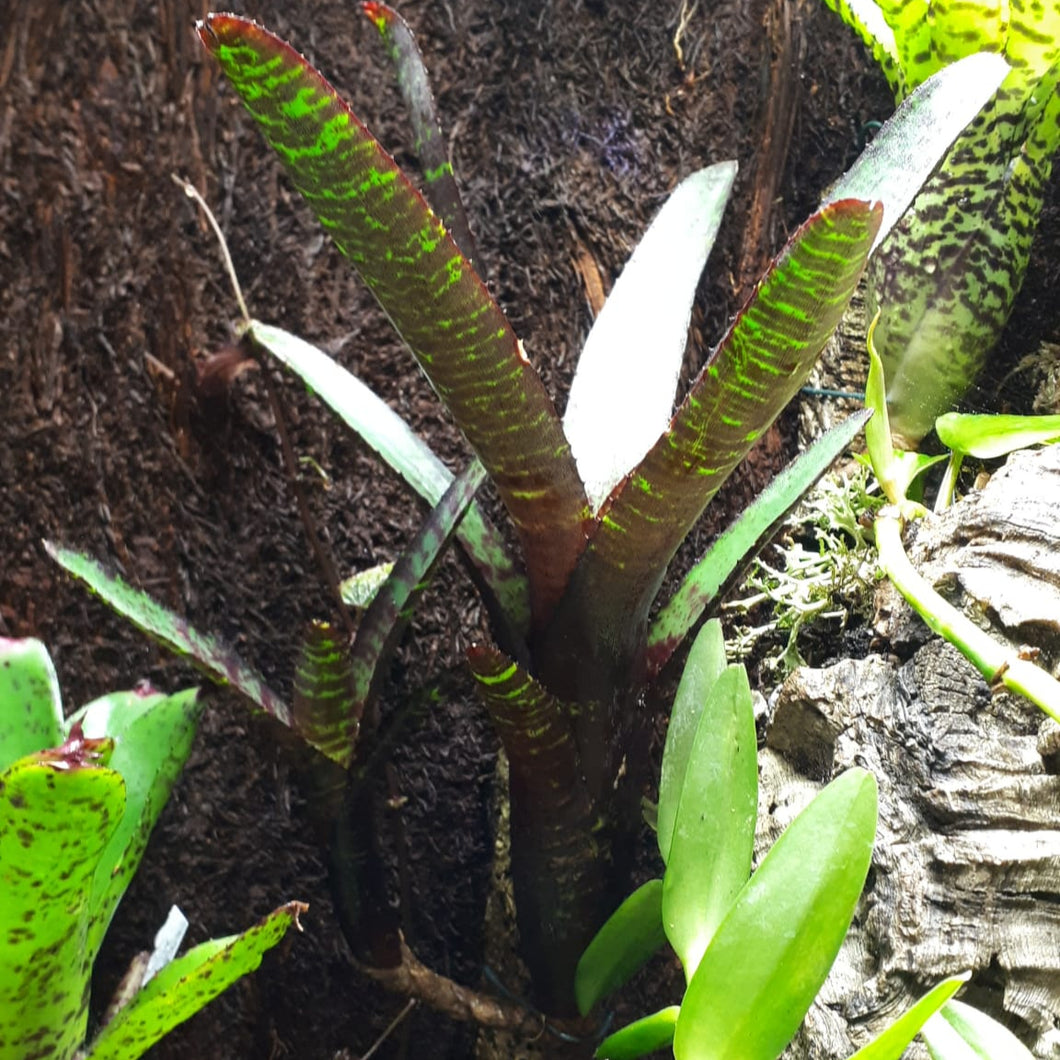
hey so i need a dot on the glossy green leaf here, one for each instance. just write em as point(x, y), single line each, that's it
point(758, 366)
point(960, 1032)
point(428, 289)
point(626, 942)
point(773, 950)
point(216, 659)
point(404, 451)
point(430, 145)
point(188, 983)
point(893, 1042)
point(31, 709)
point(907, 150)
point(641, 1037)
point(988, 437)
point(729, 554)
point(705, 664)
point(58, 811)
point(622, 395)
point(714, 830)
point(152, 735)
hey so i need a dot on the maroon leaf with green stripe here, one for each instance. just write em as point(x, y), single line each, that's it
point(429, 290)
point(757, 368)
point(558, 864)
point(441, 188)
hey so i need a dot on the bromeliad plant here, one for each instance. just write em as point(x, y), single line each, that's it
point(946, 279)
point(78, 800)
point(755, 948)
point(600, 501)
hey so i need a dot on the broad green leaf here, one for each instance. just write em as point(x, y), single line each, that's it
point(729, 555)
point(31, 708)
point(387, 615)
point(558, 863)
point(428, 289)
point(907, 150)
point(359, 590)
point(892, 1042)
point(866, 19)
point(622, 395)
point(641, 1037)
point(628, 939)
point(152, 735)
point(757, 368)
point(187, 984)
point(773, 950)
point(325, 712)
point(705, 664)
point(714, 830)
point(440, 184)
point(219, 661)
point(404, 451)
point(988, 437)
point(58, 811)
point(961, 1032)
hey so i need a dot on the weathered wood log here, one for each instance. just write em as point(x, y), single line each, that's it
point(966, 872)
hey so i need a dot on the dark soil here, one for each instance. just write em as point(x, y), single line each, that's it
point(570, 121)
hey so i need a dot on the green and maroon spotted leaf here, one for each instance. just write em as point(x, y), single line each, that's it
point(188, 983)
point(441, 189)
point(215, 658)
point(58, 811)
point(557, 863)
point(755, 371)
point(31, 710)
point(428, 289)
point(387, 615)
point(326, 714)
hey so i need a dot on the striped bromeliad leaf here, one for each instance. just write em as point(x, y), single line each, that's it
point(324, 709)
point(428, 289)
point(755, 371)
point(440, 186)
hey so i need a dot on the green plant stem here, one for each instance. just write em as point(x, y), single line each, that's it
point(998, 663)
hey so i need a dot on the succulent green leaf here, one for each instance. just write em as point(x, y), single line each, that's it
point(705, 664)
point(428, 289)
point(622, 395)
point(388, 614)
point(909, 147)
point(439, 181)
point(359, 590)
point(404, 451)
point(960, 1032)
point(325, 711)
point(214, 657)
point(728, 556)
point(891, 1043)
point(626, 942)
point(988, 437)
point(31, 708)
point(152, 735)
point(58, 811)
point(773, 950)
point(714, 830)
point(643, 1036)
point(187, 984)
point(757, 368)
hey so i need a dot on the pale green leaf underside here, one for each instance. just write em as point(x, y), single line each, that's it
point(961, 1032)
point(31, 710)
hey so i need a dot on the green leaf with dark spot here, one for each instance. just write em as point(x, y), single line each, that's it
point(627, 941)
point(188, 983)
point(57, 814)
point(728, 556)
point(31, 710)
point(428, 289)
point(215, 658)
